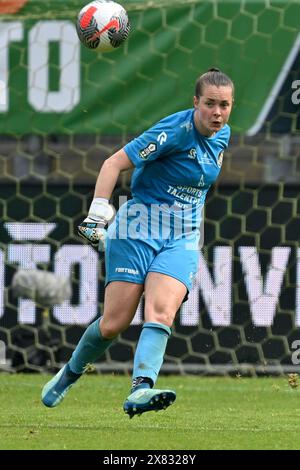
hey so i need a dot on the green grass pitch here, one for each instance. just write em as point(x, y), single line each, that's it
point(209, 413)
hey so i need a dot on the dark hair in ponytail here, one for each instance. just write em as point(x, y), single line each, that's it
point(215, 77)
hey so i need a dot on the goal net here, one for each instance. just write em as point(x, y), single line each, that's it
point(65, 109)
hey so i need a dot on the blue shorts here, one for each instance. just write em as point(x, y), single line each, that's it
point(131, 258)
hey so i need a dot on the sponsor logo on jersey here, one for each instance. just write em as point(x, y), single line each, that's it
point(146, 152)
point(220, 159)
point(192, 153)
point(162, 138)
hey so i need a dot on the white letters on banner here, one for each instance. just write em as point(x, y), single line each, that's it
point(40, 36)
point(9, 32)
point(215, 288)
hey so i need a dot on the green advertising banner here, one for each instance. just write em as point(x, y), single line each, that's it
point(50, 83)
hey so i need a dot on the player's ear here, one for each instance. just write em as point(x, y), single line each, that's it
point(196, 101)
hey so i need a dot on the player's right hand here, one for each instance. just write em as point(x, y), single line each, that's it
point(93, 228)
point(94, 232)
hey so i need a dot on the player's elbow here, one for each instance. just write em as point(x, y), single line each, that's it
point(110, 165)
point(119, 161)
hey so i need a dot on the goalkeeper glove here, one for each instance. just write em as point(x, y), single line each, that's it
point(93, 228)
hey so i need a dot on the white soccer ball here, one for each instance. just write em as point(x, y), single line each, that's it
point(103, 26)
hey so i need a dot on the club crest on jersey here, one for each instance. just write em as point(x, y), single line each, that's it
point(146, 152)
point(220, 159)
point(192, 153)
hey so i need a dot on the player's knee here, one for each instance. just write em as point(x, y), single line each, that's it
point(108, 329)
point(160, 314)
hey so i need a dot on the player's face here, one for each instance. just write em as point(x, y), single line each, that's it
point(213, 109)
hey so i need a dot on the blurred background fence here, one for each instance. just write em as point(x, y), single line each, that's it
point(65, 109)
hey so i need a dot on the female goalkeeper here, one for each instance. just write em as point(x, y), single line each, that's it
point(152, 245)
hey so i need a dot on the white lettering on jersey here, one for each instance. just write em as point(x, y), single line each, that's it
point(188, 194)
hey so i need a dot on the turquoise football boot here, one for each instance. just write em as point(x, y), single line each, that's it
point(55, 390)
point(147, 399)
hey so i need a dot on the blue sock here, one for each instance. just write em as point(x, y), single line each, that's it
point(90, 347)
point(149, 355)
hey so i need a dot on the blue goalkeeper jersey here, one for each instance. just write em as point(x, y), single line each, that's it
point(175, 165)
